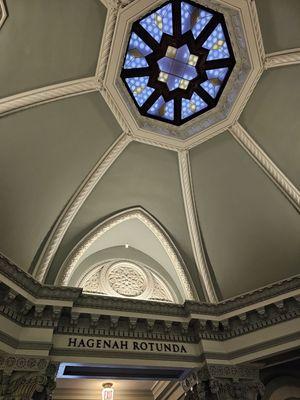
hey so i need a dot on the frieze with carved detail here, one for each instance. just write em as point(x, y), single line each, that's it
point(213, 382)
point(153, 319)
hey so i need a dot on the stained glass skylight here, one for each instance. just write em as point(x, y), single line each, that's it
point(178, 60)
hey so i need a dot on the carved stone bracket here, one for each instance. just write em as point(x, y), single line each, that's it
point(26, 378)
point(223, 382)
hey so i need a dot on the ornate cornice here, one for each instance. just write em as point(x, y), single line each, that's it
point(69, 265)
point(262, 159)
point(33, 287)
point(76, 202)
point(46, 94)
point(9, 363)
point(223, 381)
point(282, 58)
point(283, 289)
point(193, 226)
point(219, 371)
point(29, 303)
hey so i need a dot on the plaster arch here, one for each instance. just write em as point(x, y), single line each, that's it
point(70, 264)
point(283, 388)
point(132, 255)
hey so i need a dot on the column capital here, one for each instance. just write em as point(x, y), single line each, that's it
point(19, 383)
point(228, 382)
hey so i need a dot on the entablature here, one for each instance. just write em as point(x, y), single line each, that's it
point(67, 310)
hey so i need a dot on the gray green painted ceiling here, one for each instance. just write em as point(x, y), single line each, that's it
point(143, 176)
point(251, 231)
point(279, 23)
point(45, 154)
point(48, 42)
point(270, 117)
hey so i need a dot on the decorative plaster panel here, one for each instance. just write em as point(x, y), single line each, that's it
point(124, 278)
point(73, 258)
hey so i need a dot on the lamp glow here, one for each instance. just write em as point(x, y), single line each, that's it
point(107, 391)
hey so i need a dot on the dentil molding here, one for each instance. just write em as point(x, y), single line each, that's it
point(67, 310)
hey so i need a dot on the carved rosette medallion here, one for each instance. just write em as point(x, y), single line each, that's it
point(127, 279)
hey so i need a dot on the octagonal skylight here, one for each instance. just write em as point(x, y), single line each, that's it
point(178, 60)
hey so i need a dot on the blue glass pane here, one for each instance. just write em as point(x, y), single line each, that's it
point(158, 22)
point(217, 45)
point(194, 19)
point(176, 66)
point(139, 88)
point(137, 50)
point(192, 106)
point(214, 81)
point(162, 109)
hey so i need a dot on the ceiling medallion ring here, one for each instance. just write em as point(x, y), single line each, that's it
point(178, 60)
point(127, 279)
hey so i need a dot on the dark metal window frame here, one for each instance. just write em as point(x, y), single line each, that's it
point(177, 40)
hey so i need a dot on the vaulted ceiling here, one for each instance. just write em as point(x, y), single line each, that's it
point(245, 199)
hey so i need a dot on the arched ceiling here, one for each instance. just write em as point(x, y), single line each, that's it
point(230, 206)
point(276, 94)
point(46, 152)
point(47, 42)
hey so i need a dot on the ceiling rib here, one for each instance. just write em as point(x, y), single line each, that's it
point(282, 58)
point(193, 227)
point(75, 203)
point(46, 94)
point(262, 159)
point(110, 23)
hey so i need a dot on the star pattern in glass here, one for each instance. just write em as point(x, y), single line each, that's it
point(178, 60)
